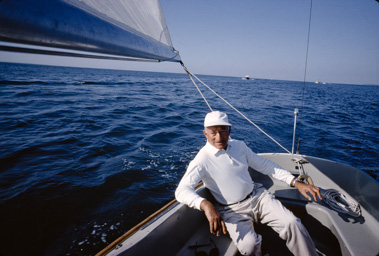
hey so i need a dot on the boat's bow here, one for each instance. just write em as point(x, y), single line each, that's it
point(334, 232)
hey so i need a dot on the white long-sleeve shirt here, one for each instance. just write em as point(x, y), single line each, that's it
point(225, 173)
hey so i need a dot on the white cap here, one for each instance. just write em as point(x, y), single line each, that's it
point(216, 118)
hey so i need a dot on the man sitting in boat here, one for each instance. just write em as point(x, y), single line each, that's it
point(222, 164)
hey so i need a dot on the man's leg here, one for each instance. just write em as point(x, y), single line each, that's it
point(241, 229)
point(289, 228)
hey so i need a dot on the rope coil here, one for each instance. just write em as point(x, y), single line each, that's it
point(341, 203)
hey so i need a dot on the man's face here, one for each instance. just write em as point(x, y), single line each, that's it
point(218, 136)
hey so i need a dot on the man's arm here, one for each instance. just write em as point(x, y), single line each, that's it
point(185, 192)
point(188, 196)
point(270, 168)
point(216, 223)
point(304, 189)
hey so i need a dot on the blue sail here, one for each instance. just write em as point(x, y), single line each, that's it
point(86, 28)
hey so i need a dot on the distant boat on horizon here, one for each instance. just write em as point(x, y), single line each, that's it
point(247, 78)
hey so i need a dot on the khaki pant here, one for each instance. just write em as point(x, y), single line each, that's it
point(261, 206)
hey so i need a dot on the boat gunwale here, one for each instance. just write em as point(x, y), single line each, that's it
point(134, 229)
point(140, 226)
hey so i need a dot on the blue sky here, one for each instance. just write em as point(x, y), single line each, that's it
point(262, 39)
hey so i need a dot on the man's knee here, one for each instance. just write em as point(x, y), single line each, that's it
point(250, 244)
point(293, 221)
point(294, 224)
point(292, 228)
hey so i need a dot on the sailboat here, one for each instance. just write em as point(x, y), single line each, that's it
point(344, 223)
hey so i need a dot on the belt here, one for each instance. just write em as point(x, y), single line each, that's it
point(239, 201)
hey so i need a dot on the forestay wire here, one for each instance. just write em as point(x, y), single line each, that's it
point(305, 75)
point(191, 75)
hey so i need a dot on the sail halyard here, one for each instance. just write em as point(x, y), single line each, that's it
point(134, 29)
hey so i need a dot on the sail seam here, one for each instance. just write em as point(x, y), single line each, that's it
point(24, 49)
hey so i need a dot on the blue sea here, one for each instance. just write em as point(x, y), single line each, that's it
point(88, 153)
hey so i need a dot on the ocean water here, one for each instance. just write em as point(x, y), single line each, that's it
point(86, 153)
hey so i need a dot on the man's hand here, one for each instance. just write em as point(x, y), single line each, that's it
point(216, 223)
point(304, 189)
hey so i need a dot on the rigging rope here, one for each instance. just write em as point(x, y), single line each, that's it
point(341, 203)
point(190, 75)
point(230, 105)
